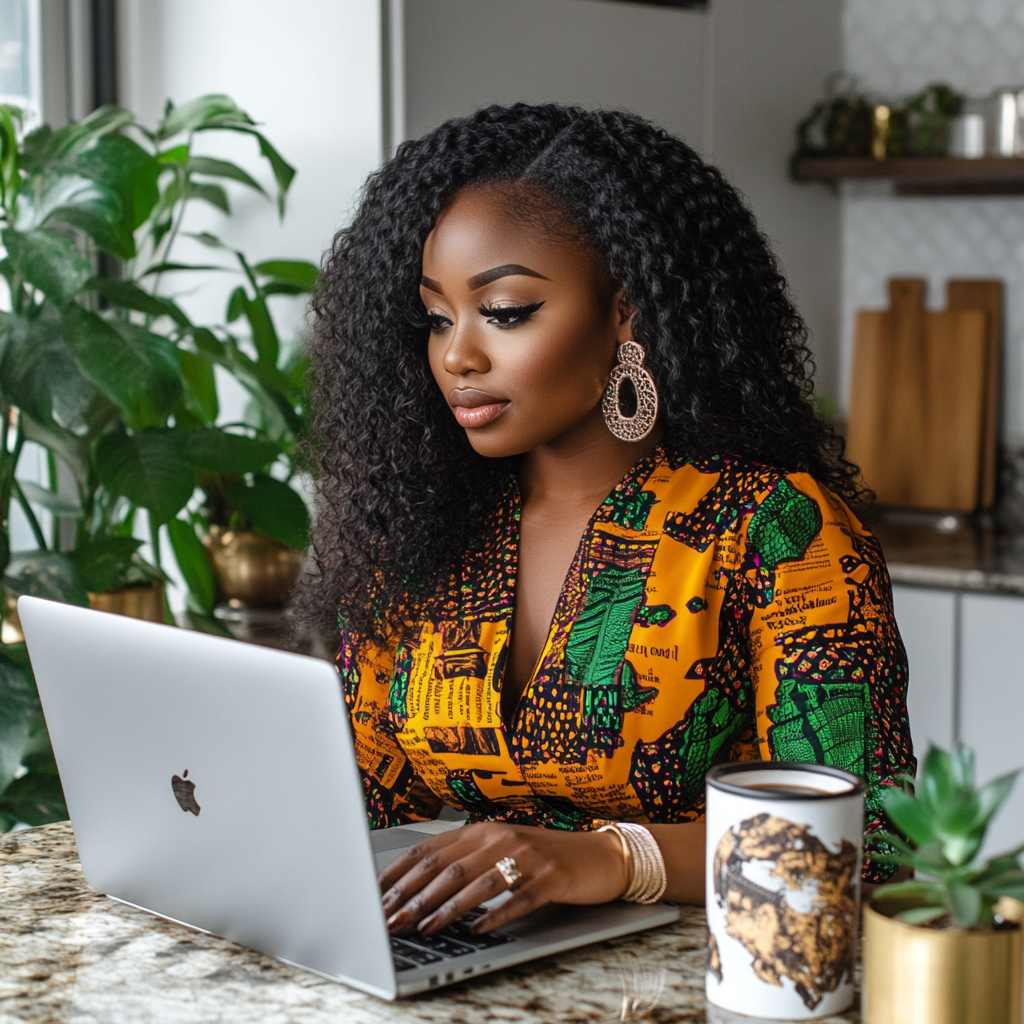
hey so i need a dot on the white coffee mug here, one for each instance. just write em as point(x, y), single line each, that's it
point(783, 888)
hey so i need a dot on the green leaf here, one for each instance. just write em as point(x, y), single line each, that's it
point(283, 171)
point(936, 783)
point(130, 296)
point(164, 268)
point(274, 508)
point(297, 272)
point(923, 892)
point(224, 169)
point(137, 369)
point(174, 155)
point(35, 799)
point(194, 564)
point(79, 135)
point(54, 503)
point(200, 386)
point(48, 261)
point(964, 904)
point(920, 915)
point(150, 469)
point(117, 161)
point(74, 450)
point(103, 564)
point(238, 305)
point(209, 193)
point(208, 342)
point(17, 702)
point(909, 816)
point(39, 372)
point(221, 452)
point(1015, 890)
point(210, 111)
point(45, 574)
point(991, 797)
point(81, 202)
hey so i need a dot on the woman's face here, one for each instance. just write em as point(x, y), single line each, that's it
point(524, 326)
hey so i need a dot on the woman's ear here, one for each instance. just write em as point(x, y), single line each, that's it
point(625, 310)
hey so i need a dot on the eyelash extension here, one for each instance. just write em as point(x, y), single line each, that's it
point(509, 316)
point(437, 323)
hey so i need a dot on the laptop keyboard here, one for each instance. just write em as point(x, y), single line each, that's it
point(410, 949)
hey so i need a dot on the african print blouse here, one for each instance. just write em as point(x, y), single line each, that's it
point(715, 610)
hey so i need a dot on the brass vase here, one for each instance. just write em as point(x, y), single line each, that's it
point(917, 975)
point(145, 601)
point(251, 568)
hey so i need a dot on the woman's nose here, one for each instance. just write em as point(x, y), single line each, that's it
point(464, 354)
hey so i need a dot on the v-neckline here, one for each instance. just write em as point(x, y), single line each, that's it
point(639, 473)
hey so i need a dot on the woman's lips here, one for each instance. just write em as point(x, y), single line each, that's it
point(473, 408)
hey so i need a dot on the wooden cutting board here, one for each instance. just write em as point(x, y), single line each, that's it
point(917, 401)
point(986, 295)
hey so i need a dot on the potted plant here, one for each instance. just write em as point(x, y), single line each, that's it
point(106, 372)
point(946, 946)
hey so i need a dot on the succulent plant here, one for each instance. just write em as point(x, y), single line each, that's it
point(945, 819)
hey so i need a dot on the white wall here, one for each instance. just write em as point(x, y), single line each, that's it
point(896, 47)
point(732, 81)
point(308, 71)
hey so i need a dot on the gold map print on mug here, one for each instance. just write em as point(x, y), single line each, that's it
point(808, 937)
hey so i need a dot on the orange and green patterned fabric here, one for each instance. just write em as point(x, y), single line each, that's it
point(715, 610)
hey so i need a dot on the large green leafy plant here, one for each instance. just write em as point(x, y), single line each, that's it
point(945, 819)
point(102, 368)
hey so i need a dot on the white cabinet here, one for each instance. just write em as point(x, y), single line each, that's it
point(992, 701)
point(927, 623)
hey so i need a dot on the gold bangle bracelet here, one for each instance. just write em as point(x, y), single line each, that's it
point(627, 855)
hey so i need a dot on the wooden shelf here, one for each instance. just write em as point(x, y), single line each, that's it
point(924, 176)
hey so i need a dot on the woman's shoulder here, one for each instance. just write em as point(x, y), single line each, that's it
point(702, 498)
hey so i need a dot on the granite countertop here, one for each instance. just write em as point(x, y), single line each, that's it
point(69, 954)
point(948, 553)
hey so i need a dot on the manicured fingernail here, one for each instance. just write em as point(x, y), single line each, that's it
point(478, 926)
point(425, 926)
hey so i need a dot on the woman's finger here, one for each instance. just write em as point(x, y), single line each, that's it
point(527, 896)
point(413, 855)
point(451, 906)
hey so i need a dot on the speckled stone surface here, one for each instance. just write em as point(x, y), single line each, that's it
point(978, 558)
point(68, 954)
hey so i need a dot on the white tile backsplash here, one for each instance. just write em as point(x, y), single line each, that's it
point(896, 47)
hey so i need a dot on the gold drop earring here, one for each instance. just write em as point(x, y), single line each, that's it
point(630, 367)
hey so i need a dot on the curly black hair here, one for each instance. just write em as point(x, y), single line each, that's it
point(399, 487)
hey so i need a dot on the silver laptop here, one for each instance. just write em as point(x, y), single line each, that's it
point(214, 783)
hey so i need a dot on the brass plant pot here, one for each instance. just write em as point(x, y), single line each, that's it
point(145, 601)
point(251, 568)
point(915, 975)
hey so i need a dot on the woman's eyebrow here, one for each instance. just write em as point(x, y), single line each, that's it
point(508, 270)
point(431, 285)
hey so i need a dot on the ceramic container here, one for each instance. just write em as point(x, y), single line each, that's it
point(783, 888)
point(251, 568)
point(917, 975)
point(145, 601)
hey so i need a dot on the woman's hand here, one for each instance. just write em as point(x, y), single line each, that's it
point(435, 882)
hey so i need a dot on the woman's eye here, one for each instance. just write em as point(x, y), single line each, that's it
point(509, 316)
point(438, 323)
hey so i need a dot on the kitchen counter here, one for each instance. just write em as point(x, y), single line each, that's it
point(68, 954)
point(978, 558)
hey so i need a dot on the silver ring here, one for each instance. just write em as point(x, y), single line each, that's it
point(508, 870)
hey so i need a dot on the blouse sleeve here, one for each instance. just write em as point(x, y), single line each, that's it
point(829, 666)
point(394, 793)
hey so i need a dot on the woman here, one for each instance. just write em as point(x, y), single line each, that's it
point(586, 532)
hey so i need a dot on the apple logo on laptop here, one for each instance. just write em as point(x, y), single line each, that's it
point(185, 793)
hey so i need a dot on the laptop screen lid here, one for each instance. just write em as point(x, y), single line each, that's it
point(265, 839)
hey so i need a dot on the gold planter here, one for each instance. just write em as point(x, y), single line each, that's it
point(138, 602)
point(915, 975)
point(251, 568)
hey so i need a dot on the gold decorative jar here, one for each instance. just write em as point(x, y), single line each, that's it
point(141, 601)
point(251, 568)
point(919, 975)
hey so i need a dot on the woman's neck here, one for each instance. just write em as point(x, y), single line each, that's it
point(580, 468)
